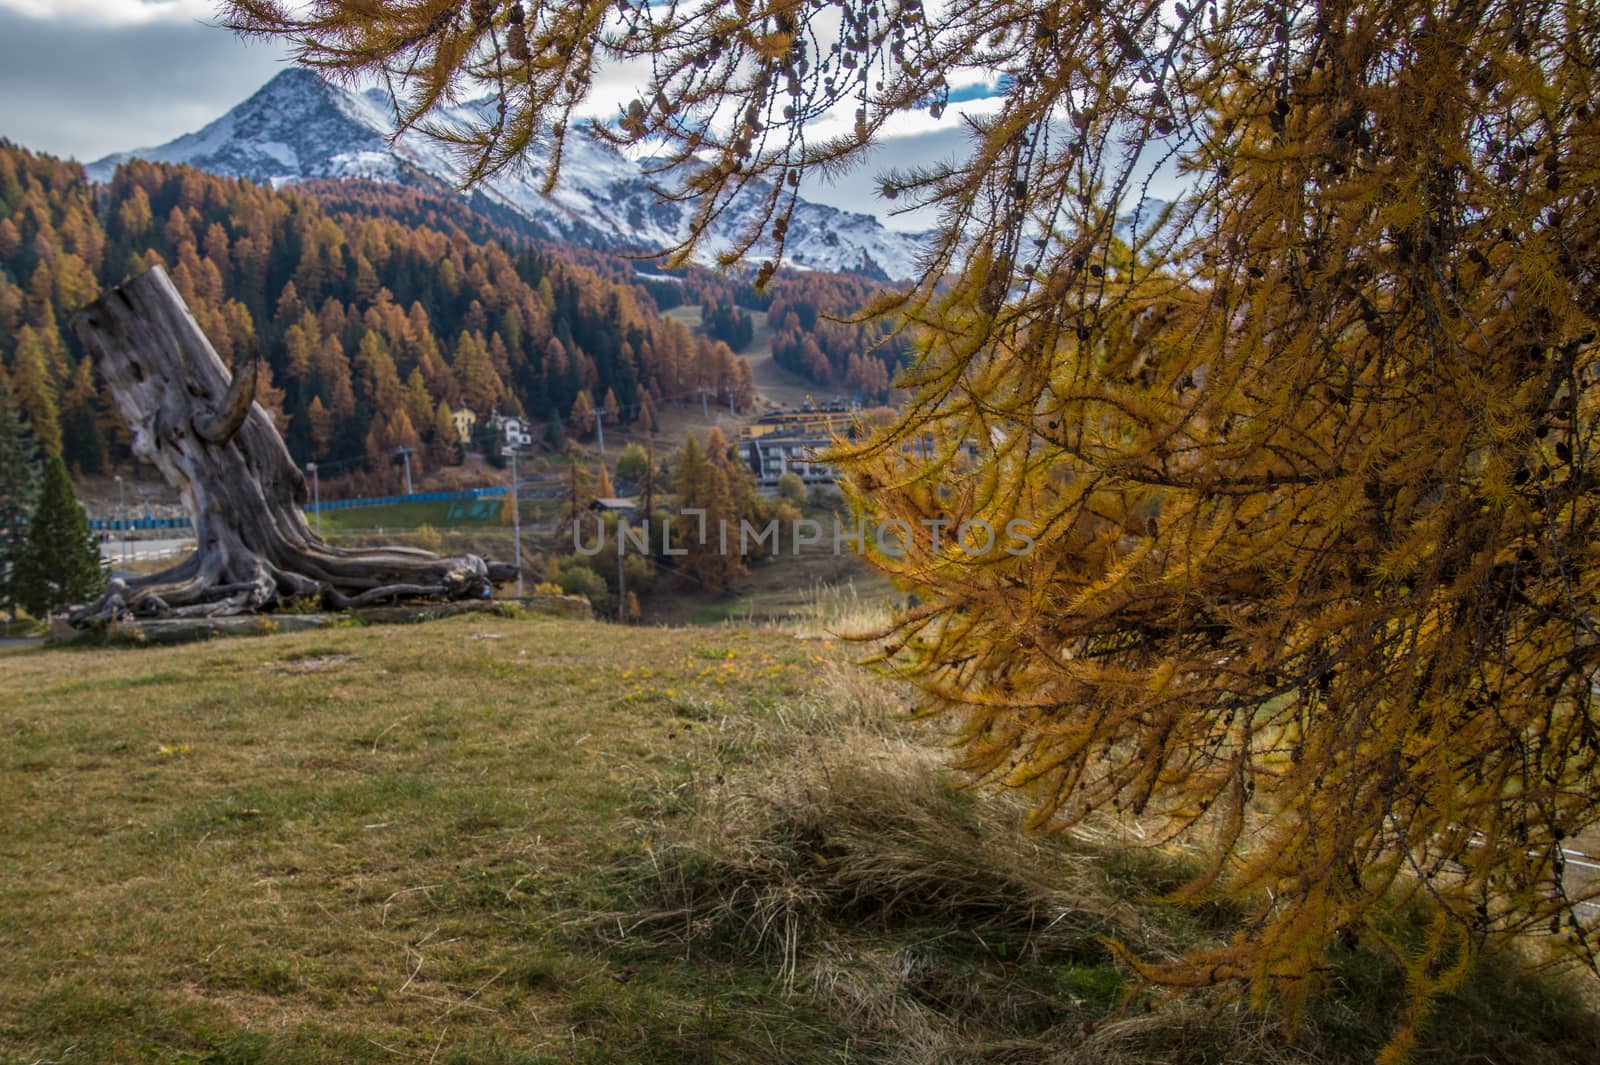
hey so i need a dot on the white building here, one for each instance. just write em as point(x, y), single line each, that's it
point(514, 431)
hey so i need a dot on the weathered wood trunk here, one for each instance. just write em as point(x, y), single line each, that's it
point(199, 426)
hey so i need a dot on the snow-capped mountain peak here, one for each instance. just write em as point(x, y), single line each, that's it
point(298, 127)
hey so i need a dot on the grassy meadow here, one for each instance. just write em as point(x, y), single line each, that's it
point(502, 839)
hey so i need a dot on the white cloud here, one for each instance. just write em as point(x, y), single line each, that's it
point(841, 120)
point(615, 83)
point(85, 88)
point(114, 12)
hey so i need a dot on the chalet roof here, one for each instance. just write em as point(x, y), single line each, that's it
point(614, 503)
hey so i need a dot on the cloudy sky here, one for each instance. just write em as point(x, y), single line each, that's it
point(85, 78)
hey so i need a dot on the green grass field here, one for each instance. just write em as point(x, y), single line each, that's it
point(491, 839)
point(441, 514)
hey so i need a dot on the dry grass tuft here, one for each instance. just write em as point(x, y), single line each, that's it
point(927, 926)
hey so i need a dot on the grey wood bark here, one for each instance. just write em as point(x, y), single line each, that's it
point(198, 424)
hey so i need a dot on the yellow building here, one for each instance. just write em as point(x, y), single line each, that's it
point(465, 422)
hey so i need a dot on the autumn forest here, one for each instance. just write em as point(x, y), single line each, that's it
point(379, 310)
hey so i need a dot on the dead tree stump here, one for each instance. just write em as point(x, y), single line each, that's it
point(200, 427)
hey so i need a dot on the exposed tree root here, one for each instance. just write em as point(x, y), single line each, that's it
point(197, 424)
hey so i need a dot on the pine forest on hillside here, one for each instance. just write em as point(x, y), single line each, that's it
point(380, 309)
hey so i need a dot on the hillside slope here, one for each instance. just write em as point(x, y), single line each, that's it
point(498, 840)
point(373, 328)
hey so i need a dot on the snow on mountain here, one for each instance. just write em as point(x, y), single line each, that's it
point(293, 129)
point(298, 128)
point(1143, 220)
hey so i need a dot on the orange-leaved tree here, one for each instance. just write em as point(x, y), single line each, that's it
point(1307, 453)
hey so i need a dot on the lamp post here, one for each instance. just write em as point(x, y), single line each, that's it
point(516, 520)
point(316, 496)
point(405, 454)
point(122, 518)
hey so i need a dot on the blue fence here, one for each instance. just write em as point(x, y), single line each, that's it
point(135, 524)
point(118, 525)
point(420, 497)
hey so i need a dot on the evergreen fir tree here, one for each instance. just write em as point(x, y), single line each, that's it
point(19, 482)
point(492, 443)
point(82, 444)
point(60, 563)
